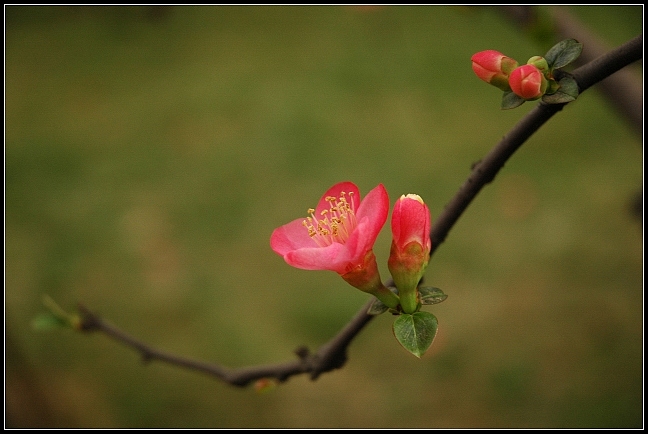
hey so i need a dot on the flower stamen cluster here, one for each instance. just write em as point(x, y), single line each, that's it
point(336, 223)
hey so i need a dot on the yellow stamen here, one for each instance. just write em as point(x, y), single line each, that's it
point(336, 223)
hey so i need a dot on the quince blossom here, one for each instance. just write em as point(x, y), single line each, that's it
point(339, 235)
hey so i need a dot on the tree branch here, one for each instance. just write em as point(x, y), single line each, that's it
point(332, 355)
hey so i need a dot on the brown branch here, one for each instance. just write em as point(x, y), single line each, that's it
point(332, 355)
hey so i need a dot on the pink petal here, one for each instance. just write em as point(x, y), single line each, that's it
point(299, 250)
point(357, 246)
point(333, 257)
point(482, 72)
point(375, 207)
point(335, 191)
point(290, 237)
point(410, 222)
point(488, 59)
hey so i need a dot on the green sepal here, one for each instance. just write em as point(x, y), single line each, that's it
point(510, 100)
point(415, 332)
point(567, 92)
point(552, 86)
point(431, 295)
point(563, 53)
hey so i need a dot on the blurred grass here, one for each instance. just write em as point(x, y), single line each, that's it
point(151, 151)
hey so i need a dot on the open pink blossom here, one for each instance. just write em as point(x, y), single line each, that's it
point(338, 234)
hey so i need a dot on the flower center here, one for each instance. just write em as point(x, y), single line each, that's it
point(335, 224)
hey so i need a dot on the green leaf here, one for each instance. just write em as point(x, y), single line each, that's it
point(567, 92)
point(55, 318)
point(511, 100)
point(49, 321)
point(377, 307)
point(563, 53)
point(415, 332)
point(431, 295)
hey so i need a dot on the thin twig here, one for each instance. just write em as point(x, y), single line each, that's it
point(332, 355)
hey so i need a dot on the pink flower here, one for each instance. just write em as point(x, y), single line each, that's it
point(528, 82)
point(410, 249)
point(339, 232)
point(339, 235)
point(493, 67)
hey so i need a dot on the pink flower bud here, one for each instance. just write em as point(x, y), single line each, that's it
point(528, 82)
point(410, 249)
point(493, 67)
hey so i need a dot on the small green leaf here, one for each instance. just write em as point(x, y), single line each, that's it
point(431, 295)
point(567, 92)
point(563, 53)
point(415, 332)
point(56, 317)
point(377, 307)
point(510, 101)
point(49, 321)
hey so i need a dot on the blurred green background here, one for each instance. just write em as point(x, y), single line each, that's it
point(151, 151)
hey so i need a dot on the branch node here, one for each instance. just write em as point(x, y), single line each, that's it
point(326, 361)
point(146, 357)
point(89, 321)
point(316, 368)
point(282, 378)
point(302, 352)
